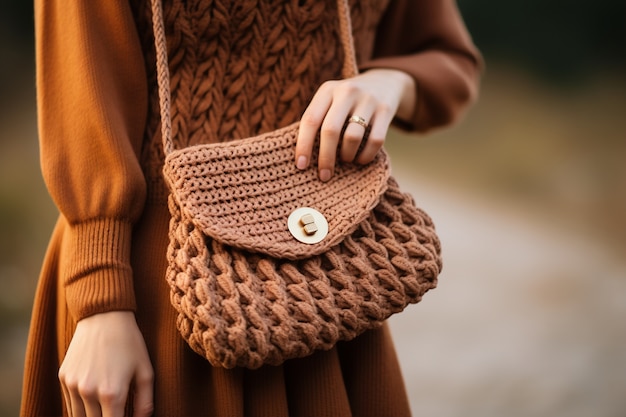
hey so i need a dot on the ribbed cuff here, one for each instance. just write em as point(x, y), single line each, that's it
point(96, 266)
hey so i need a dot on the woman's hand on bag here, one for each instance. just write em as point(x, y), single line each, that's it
point(366, 102)
point(107, 355)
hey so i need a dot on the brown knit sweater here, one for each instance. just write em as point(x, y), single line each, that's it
point(238, 68)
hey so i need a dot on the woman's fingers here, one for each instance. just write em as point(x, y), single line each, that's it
point(326, 116)
point(78, 409)
point(112, 403)
point(311, 123)
point(85, 399)
point(376, 135)
point(66, 397)
point(143, 405)
point(91, 404)
point(357, 127)
point(330, 135)
point(354, 116)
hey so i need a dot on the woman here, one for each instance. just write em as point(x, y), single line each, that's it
point(103, 339)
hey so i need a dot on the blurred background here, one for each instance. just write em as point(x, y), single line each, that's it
point(528, 193)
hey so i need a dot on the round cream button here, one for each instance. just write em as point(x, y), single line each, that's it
point(307, 225)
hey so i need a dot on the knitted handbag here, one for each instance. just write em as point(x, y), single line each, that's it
point(266, 262)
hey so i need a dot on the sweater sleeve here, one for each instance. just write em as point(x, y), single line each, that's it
point(429, 41)
point(92, 106)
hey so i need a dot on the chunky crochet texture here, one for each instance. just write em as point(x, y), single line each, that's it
point(246, 292)
point(239, 308)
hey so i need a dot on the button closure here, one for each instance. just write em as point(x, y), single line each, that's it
point(307, 225)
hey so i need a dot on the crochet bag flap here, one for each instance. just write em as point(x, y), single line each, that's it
point(242, 193)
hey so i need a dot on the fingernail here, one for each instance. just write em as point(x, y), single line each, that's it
point(301, 164)
point(325, 174)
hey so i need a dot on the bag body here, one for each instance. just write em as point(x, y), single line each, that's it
point(247, 292)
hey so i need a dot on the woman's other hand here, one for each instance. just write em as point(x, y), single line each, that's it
point(376, 97)
point(106, 355)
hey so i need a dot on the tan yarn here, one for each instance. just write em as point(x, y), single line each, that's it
point(247, 293)
point(238, 308)
point(242, 196)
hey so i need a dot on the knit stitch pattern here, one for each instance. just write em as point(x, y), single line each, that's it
point(238, 69)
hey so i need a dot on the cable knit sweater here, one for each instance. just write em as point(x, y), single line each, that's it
point(238, 68)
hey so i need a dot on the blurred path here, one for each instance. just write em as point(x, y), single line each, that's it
point(527, 320)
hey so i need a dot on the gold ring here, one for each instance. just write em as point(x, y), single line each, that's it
point(359, 120)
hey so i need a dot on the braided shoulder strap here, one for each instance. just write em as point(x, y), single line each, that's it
point(349, 64)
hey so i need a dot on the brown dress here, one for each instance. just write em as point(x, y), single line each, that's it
point(238, 68)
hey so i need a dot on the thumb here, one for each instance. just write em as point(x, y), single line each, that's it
point(143, 404)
